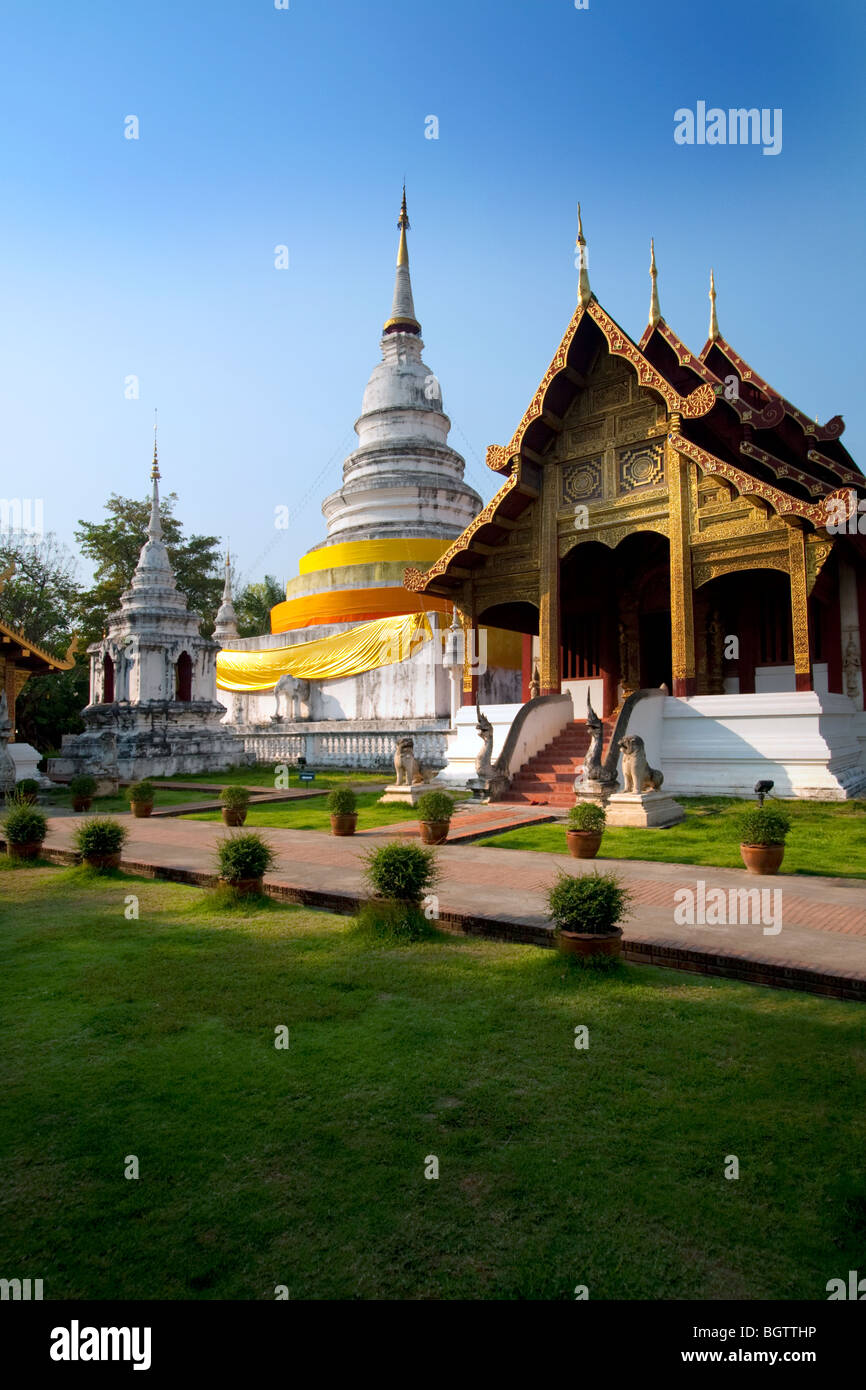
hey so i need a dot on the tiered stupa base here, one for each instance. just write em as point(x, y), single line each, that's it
point(158, 738)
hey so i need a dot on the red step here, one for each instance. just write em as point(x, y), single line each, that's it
point(547, 778)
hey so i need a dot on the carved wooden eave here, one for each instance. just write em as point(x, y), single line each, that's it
point(816, 487)
point(699, 402)
point(776, 405)
point(817, 513)
point(29, 656)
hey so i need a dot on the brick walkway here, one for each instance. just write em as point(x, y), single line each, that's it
point(500, 892)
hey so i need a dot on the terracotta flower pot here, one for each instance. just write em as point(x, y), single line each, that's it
point(25, 851)
point(762, 859)
point(583, 844)
point(82, 803)
point(434, 832)
point(582, 943)
point(344, 825)
point(141, 808)
point(242, 887)
point(232, 815)
point(103, 861)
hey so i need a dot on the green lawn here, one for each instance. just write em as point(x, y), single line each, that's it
point(165, 796)
point(314, 814)
point(826, 837)
point(305, 1167)
point(263, 775)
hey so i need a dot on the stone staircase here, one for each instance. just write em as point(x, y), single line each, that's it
point(547, 778)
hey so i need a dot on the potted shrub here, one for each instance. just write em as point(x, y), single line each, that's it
point(82, 789)
point(141, 796)
point(24, 829)
point(99, 841)
point(400, 874)
point(235, 802)
point(435, 810)
point(586, 910)
point(343, 808)
point(243, 860)
point(585, 829)
point(28, 790)
point(762, 839)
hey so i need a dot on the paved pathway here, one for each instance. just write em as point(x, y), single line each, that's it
point(500, 892)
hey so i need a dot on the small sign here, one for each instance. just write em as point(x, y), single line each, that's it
point(306, 776)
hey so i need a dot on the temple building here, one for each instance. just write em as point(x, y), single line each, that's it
point(352, 648)
point(668, 519)
point(19, 660)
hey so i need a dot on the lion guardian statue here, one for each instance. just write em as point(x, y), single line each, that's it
point(637, 775)
point(406, 765)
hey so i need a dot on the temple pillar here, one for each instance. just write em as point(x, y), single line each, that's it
point(549, 638)
point(682, 602)
point(470, 655)
point(799, 608)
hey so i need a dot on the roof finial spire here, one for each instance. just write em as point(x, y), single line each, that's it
point(402, 318)
point(154, 529)
point(655, 312)
point(714, 322)
point(226, 625)
point(584, 293)
point(154, 472)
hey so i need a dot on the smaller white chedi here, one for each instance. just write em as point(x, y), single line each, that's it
point(153, 710)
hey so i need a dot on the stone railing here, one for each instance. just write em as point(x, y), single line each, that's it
point(373, 749)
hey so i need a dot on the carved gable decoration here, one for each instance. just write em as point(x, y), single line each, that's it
point(642, 465)
point(581, 482)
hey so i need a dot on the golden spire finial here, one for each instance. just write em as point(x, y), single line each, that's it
point(714, 322)
point(154, 472)
point(403, 224)
point(584, 293)
point(655, 310)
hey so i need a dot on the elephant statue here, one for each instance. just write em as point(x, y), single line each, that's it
point(293, 698)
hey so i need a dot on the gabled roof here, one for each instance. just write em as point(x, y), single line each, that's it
point(29, 655)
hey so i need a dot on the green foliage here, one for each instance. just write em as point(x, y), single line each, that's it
point(114, 545)
point(28, 785)
point(83, 785)
point(342, 801)
point(587, 815)
point(254, 603)
point(401, 870)
point(142, 791)
point(24, 825)
point(244, 856)
point(593, 903)
point(435, 806)
point(389, 919)
point(764, 825)
point(235, 798)
point(100, 835)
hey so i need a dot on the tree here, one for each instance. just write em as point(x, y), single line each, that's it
point(114, 545)
point(41, 598)
point(254, 603)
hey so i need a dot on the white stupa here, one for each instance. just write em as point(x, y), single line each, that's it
point(153, 710)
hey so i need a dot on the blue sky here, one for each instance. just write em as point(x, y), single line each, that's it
point(155, 257)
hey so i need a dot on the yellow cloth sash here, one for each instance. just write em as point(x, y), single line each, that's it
point(396, 551)
point(351, 606)
point(366, 647)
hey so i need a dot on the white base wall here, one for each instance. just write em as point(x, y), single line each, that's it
point(806, 743)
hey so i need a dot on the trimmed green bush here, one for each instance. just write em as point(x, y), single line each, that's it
point(592, 903)
point(28, 785)
point(235, 798)
point(24, 825)
point(142, 791)
point(84, 785)
point(587, 815)
point(342, 801)
point(244, 856)
point(435, 806)
point(388, 919)
point(400, 870)
point(99, 835)
point(763, 826)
